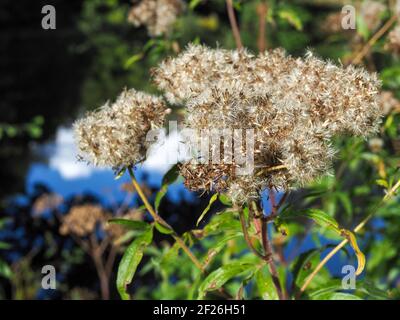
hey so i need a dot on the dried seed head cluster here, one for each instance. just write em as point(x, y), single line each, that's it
point(294, 105)
point(115, 135)
point(82, 220)
point(388, 102)
point(393, 41)
point(158, 16)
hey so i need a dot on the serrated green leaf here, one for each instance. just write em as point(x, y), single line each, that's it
point(212, 200)
point(159, 196)
point(219, 277)
point(130, 261)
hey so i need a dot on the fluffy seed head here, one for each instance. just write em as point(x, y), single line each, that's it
point(158, 16)
point(115, 135)
point(293, 105)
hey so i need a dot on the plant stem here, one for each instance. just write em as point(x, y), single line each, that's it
point(271, 264)
point(247, 236)
point(234, 25)
point(388, 196)
point(262, 10)
point(160, 220)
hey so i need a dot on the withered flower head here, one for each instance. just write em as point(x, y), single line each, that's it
point(294, 106)
point(115, 135)
point(393, 41)
point(82, 220)
point(158, 16)
point(371, 12)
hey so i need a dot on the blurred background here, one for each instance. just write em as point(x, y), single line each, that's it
point(49, 78)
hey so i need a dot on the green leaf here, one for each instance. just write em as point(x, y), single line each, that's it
point(337, 296)
point(320, 217)
point(171, 175)
point(222, 222)
point(131, 224)
point(159, 196)
point(130, 260)
point(219, 277)
point(5, 270)
point(132, 60)
point(4, 245)
point(212, 200)
point(303, 267)
point(119, 173)
point(193, 4)
point(346, 202)
point(219, 246)
point(371, 291)
point(225, 200)
point(163, 228)
point(265, 285)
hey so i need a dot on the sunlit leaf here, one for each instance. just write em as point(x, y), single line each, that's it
point(130, 261)
point(212, 200)
point(219, 277)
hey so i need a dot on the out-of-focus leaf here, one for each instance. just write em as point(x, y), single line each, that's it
point(212, 200)
point(219, 246)
point(130, 260)
point(171, 175)
point(219, 277)
point(130, 224)
point(223, 222)
point(119, 173)
point(4, 245)
point(225, 200)
point(371, 291)
point(132, 60)
point(5, 270)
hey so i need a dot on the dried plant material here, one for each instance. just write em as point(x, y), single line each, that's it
point(115, 135)
point(333, 23)
point(47, 201)
point(388, 102)
point(158, 16)
point(371, 13)
point(393, 41)
point(293, 105)
point(82, 220)
point(375, 144)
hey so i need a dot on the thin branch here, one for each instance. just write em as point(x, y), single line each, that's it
point(160, 220)
point(262, 10)
point(234, 25)
point(388, 196)
point(271, 264)
point(247, 236)
point(364, 51)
